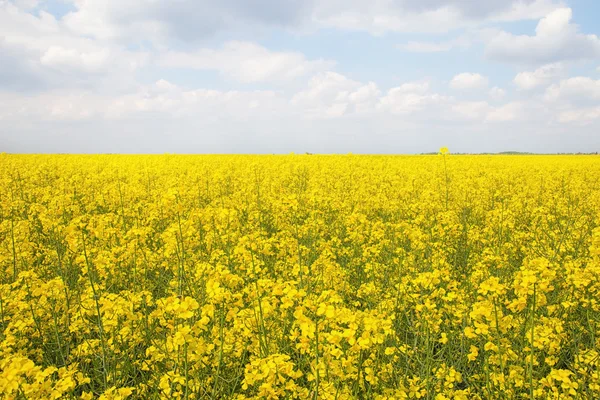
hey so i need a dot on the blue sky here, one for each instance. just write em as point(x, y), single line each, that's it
point(323, 76)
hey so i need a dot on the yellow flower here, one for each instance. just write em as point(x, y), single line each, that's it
point(473, 353)
point(444, 338)
point(298, 277)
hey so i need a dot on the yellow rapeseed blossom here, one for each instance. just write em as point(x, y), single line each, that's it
point(297, 277)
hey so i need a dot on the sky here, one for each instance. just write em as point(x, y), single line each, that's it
point(280, 76)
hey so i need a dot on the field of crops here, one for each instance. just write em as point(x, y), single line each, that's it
point(299, 276)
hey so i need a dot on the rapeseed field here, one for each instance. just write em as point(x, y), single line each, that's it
point(299, 277)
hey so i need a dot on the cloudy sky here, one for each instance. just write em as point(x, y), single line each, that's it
point(323, 76)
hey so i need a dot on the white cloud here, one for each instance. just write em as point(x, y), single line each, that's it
point(497, 93)
point(332, 95)
point(364, 98)
point(26, 4)
point(582, 116)
point(556, 39)
point(461, 42)
point(162, 98)
point(51, 106)
point(186, 20)
point(427, 47)
point(39, 48)
point(380, 16)
point(471, 109)
point(575, 100)
point(507, 112)
point(574, 89)
point(18, 26)
point(192, 20)
point(62, 58)
point(528, 80)
point(246, 62)
point(413, 87)
point(80, 82)
point(167, 98)
point(468, 80)
point(331, 114)
point(411, 98)
point(521, 10)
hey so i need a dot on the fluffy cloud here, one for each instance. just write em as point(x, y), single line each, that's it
point(166, 98)
point(245, 62)
point(575, 100)
point(555, 39)
point(575, 89)
point(582, 116)
point(411, 98)
point(64, 58)
point(462, 42)
point(471, 109)
point(69, 83)
point(497, 93)
point(332, 95)
point(160, 98)
point(191, 20)
point(332, 113)
point(468, 80)
point(187, 20)
point(327, 95)
point(49, 106)
point(17, 72)
point(507, 112)
point(528, 80)
point(40, 49)
point(26, 4)
point(379, 16)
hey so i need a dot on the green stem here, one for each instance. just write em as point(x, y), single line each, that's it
point(14, 251)
point(316, 396)
point(221, 339)
point(98, 312)
point(531, 349)
point(446, 173)
point(182, 263)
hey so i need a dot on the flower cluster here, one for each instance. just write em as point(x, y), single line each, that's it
point(333, 277)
